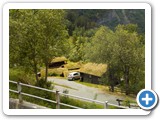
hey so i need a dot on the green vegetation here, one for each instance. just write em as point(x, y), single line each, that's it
point(109, 43)
point(81, 104)
point(90, 19)
point(55, 72)
point(18, 74)
point(51, 96)
point(14, 75)
point(63, 71)
point(106, 89)
point(94, 69)
point(58, 59)
point(123, 52)
point(73, 65)
point(91, 85)
point(33, 34)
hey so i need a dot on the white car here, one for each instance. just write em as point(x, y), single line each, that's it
point(74, 76)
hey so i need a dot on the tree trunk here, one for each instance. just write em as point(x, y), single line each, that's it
point(126, 74)
point(36, 75)
point(46, 71)
point(112, 88)
point(35, 70)
point(111, 79)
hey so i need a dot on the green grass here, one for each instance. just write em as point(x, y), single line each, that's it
point(73, 65)
point(55, 72)
point(105, 89)
point(93, 85)
point(16, 75)
point(94, 69)
point(51, 96)
point(81, 104)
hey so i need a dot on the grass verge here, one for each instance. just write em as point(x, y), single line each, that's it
point(105, 89)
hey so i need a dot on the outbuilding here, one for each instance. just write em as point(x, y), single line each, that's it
point(58, 62)
point(92, 72)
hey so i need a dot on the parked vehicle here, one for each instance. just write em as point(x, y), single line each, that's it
point(74, 76)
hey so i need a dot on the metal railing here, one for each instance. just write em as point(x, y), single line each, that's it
point(58, 94)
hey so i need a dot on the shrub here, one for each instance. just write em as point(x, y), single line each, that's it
point(54, 72)
point(44, 84)
point(17, 74)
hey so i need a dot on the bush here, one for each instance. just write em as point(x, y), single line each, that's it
point(40, 93)
point(17, 74)
point(44, 84)
point(54, 72)
point(79, 103)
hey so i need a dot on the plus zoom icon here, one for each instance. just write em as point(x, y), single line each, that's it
point(147, 99)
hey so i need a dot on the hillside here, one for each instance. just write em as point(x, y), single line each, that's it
point(112, 17)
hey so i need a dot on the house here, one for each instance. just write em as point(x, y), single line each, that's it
point(92, 72)
point(58, 62)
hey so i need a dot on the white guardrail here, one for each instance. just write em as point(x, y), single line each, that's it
point(58, 94)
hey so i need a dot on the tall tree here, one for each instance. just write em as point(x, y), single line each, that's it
point(36, 36)
point(122, 50)
point(25, 31)
point(54, 35)
point(102, 50)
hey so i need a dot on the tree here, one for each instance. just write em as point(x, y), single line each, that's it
point(101, 50)
point(54, 35)
point(77, 42)
point(130, 55)
point(24, 39)
point(36, 36)
point(122, 51)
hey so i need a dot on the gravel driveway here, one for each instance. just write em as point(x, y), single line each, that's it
point(77, 89)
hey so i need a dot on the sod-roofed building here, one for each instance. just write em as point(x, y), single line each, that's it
point(92, 72)
point(58, 62)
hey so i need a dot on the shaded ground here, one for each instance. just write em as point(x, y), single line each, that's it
point(77, 89)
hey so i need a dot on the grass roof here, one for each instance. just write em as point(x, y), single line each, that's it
point(94, 69)
point(73, 65)
point(58, 59)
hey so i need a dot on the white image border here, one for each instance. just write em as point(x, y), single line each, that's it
point(8, 6)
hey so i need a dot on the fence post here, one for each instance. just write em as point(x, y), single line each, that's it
point(57, 100)
point(106, 105)
point(19, 87)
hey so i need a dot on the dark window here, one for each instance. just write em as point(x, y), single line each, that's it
point(75, 73)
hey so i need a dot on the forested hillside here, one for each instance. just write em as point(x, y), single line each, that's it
point(90, 19)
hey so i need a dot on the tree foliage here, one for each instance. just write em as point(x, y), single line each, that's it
point(100, 36)
point(77, 42)
point(123, 51)
point(90, 19)
point(36, 36)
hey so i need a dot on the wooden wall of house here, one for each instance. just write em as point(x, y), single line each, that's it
point(56, 65)
point(90, 78)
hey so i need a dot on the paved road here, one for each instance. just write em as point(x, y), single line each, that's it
point(84, 91)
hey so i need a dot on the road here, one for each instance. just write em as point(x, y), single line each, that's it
point(77, 89)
